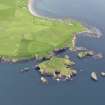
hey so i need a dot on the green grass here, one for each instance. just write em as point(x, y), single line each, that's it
point(22, 35)
point(56, 64)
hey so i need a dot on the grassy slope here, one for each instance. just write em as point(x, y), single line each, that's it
point(22, 35)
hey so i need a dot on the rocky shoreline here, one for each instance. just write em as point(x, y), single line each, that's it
point(56, 75)
point(88, 53)
point(92, 32)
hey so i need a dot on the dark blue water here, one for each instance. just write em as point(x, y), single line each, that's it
point(25, 89)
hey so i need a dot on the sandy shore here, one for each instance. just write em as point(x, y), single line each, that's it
point(34, 13)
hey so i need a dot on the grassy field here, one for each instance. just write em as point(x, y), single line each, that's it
point(56, 64)
point(24, 36)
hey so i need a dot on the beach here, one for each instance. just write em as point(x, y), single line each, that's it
point(34, 13)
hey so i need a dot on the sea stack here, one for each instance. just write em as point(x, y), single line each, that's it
point(103, 74)
point(44, 80)
point(94, 76)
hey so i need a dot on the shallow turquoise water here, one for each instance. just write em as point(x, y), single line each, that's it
point(26, 89)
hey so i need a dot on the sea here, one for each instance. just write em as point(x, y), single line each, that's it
point(18, 88)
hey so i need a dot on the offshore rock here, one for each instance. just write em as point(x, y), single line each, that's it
point(94, 76)
point(44, 80)
point(103, 74)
